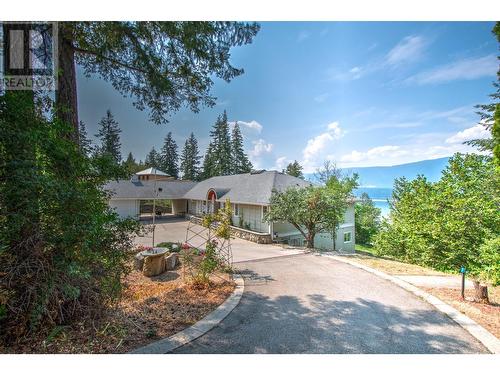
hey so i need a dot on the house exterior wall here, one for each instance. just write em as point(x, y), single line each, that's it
point(250, 217)
point(246, 216)
point(125, 207)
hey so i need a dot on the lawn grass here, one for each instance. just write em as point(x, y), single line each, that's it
point(365, 255)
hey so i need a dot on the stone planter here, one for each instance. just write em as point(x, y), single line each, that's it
point(171, 261)
point(154, 265)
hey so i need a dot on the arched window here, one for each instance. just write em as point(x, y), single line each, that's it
point(211, 195)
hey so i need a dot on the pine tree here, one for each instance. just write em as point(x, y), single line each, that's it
point(84, 143)
point(219, 154)
point(190, 159)
point(239, 160)
point(169, 157)
point(109, 134)
point(131, 165)
point(294, 169)
point(208, 163)
point(153, 159)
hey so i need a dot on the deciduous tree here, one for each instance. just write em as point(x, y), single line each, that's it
point(313, 209)
point(367, 219)
point(444, 225)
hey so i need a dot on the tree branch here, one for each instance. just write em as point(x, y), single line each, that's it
point(117, 62)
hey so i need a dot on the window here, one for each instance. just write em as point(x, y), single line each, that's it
point(264, 212)
point(236, 209)
point(347, 237)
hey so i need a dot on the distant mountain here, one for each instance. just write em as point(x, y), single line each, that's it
point(383, 177)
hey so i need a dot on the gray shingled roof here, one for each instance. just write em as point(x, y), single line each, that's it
point(126, 189)
point(241, 188)
point(245, 188)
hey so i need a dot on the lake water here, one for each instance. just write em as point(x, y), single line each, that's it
point(379, 196)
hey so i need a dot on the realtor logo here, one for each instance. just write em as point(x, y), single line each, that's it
point(29, 54)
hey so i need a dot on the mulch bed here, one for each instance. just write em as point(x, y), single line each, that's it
point(486, 315)
point(150, 309)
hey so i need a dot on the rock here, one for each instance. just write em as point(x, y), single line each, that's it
point(153, 265)
point(171, 261)
point(138, 262)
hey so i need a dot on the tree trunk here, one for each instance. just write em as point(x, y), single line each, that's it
point(310, 240)
point(481, 292)
point(66, 94)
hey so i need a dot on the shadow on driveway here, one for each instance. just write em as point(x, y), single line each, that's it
point(313, 305)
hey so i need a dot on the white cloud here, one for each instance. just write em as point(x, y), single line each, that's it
point(261, 147)
point(372, 154)
point(281, 163)
point(303, 35)
point(465, 69)
point(356, 72)
point(321, 98)
point(474, 132)
point(352, 74)
point(394, 155)
point(252, 125)
point(409, 49)
point(261, 154)
point(317, 146)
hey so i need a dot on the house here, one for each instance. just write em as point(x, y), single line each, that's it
point(249, 194)
point(153, 174)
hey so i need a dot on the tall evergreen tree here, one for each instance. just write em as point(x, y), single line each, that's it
point(131, 165)
point(85, 143)
point(169, 157)
point(190, 159)
point(294, 169)
point(221, 147)
point(109, 135)
point(208, 163)
point(153, 159)
point(239, 160)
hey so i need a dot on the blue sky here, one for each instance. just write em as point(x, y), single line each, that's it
point(358, 93)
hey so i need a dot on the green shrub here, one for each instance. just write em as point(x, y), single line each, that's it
point(447, 224)
point(63, 250)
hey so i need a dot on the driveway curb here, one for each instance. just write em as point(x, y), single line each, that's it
point(198, 329)
point(480, 333)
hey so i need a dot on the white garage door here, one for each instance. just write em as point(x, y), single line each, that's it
point(125, 207)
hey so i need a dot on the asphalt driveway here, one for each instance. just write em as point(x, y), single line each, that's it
point(175, 229)
point(311, 304)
